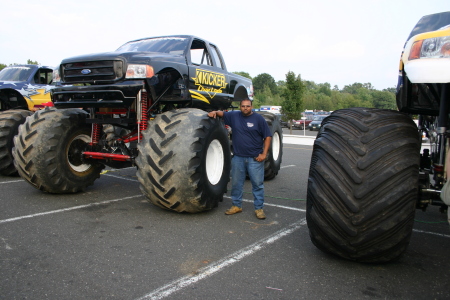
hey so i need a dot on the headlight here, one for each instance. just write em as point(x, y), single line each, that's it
point(438, 47)
point(139, 71)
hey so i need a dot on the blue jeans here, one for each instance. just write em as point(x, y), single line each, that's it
point(240, 166)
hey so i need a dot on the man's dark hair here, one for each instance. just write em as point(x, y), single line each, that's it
point(251, 102)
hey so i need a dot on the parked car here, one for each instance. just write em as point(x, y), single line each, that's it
point(283, 123)
point(316, 123)
point(301, 124)
point(24, 89)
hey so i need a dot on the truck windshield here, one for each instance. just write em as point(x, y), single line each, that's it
point(431, 23)
point(172, 45)
point(15, 73)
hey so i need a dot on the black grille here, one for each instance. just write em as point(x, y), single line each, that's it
point(92, 71)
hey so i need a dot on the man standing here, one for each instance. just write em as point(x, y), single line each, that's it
point(251, 142)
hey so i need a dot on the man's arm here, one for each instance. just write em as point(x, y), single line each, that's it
point(263, 155)
point(215, 113)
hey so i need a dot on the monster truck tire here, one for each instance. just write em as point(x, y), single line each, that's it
point(184, 161)
point(275, 154)
point(9, 127)
point(48, 151)
point(363, 184)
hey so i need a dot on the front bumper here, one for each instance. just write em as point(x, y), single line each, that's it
point(428, 70)
point(120, 95)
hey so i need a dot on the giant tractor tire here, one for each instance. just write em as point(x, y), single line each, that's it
point(9, 127)
point(363, 184)
point(275, 155)
point(184, 161)
point(48, 151)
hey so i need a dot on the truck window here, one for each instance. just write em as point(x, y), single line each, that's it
point(199, 54)
point(43, 76)
point(216, 57)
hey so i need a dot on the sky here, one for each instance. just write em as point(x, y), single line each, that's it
point(336, 41)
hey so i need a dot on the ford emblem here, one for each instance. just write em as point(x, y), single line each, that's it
point(85, 71)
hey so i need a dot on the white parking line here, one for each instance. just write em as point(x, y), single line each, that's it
point(275, 205)
point(12, 181)
point(66, 209)
point(205, 272)
point(433, 233)
point(218, 266)
point(120, 177)
point(287, 166)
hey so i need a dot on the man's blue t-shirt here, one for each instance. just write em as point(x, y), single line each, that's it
point(248, 133)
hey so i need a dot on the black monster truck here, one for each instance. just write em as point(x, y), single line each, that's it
point(23, 89)
point(367, 175)
point(144, 104)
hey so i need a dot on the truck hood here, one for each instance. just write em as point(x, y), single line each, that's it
point(127, 57)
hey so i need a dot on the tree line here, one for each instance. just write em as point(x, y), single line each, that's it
point(317, 96)
point(295, 95)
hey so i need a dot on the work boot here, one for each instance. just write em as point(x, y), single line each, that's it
point(260, 214)
point(233, 210)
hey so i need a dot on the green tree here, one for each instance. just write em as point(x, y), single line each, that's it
point(31, 62)
point(391, 90)
point(353, 88)
point(243, 74)
point(292, 104)
point(365, 97)
point(263, 79)
point(2, 66)
point(310, 85)
point(323, 102)
point(384, 99)
point(348, 100)
point(281, 83)
point(309, 100)
point(266, 97)
point(325, 88)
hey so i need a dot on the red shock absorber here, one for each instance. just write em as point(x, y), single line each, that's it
point(96, 131)
point(144, 111)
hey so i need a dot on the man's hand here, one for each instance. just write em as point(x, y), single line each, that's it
point(261, 157)
point(215, 113)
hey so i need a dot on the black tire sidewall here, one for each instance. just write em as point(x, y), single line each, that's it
point(172, 161)
point(219, 133)
point(272, 165)
point(41, 151)
point(354, 209)
point(17, 117)
point(275, 164)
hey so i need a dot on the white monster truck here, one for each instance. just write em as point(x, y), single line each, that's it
point(367, 175)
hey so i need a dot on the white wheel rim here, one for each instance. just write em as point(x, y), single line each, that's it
point(275, 145)
point(214, 162)
point(82, 167)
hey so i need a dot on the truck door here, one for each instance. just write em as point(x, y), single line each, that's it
point(41, 85)
point(208, 79)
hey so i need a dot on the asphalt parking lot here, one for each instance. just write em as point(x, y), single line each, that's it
point(110, 243)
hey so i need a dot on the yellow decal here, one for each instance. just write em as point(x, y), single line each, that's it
point(198, 96)
point(40, 96)
point(208, 78)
